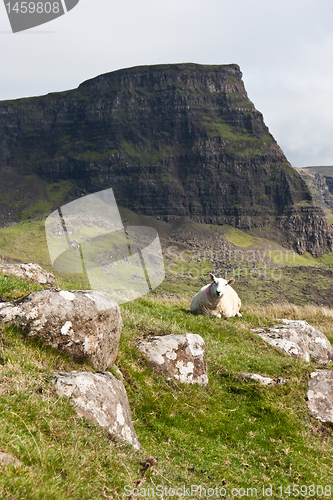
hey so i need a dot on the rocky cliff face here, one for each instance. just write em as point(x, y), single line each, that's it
point(171, 140)
point(320, 185)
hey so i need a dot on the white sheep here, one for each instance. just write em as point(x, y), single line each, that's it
point(217, 299)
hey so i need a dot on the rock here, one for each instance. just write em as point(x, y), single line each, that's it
point(179, 356)
point(118, 373)
point(84, 324)
point(262, 380)
point(319, 186)
point(6, 459)
point(31, 271)
point(102, 399)
point(320, 395)
point(299, 339)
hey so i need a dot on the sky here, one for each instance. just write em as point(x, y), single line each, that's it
point(283, 47)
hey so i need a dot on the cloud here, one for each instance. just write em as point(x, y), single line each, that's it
point(284, 49)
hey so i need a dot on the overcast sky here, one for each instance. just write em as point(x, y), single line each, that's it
point(284, 49)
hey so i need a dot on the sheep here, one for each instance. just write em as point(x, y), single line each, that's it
point(217, 299)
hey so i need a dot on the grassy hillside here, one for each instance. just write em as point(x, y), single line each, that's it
point(232, 434)
point(264, 270)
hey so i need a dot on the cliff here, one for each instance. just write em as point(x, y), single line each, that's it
point(320, 185)
point(171, 140)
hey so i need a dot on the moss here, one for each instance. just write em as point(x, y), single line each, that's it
point(57, 190)
point(41, 208)
point(239, 100)
point(95, 155)
point(237, 237)
point(303, 204)
point(165, 177)
point(239, 141)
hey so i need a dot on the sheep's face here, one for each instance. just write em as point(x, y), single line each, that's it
point(219, 285)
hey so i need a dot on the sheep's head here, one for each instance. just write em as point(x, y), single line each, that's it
point(219, 285)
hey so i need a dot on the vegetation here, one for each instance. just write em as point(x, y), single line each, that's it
point(34, 197)
point(231, 434)
point(240, 141)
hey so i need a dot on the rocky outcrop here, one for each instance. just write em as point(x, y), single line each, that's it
point(305, 229)
point(178, 356)
point(298, 339)
point(171, 140)
point(100, 398)
point(319, 185)
point(320, 395)
point(84, 324)
point(31, 271)
point(329, 182)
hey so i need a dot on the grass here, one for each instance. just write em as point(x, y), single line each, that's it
point(231, 434)
point(25, 242)
point(240, 141)
point(41, 208)
point(20, 195)
point(319, 317)
point(264, 270)
point(62, 455)
point(264, 273)
point(12, 287)
point(236, 236)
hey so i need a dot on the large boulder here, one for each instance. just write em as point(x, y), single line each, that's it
point(320, 395)
point(32, 271)
point(102, 399)
point(84, 324)
point(179, 356)
point(298, 339)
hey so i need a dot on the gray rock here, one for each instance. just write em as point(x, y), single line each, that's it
point(262, 380)
point(6, 459)
point(299, 339)
point(102, 399)
point(84, 324)
point(31, 271)
point(179, 356)
point(320, 395)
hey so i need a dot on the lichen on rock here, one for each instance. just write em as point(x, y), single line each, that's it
point(100, 398)
point(178, 356)
point(84, 324)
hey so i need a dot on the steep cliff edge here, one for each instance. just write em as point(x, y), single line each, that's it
point(320, 185)
point(171, 140)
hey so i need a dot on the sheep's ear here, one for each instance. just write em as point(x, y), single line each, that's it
point(212, 277)
point(230, 282)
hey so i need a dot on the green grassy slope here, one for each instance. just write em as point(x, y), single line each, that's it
point(232, 434)
point(264, 271)
point(29, 196)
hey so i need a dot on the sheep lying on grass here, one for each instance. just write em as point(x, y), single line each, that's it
point(217, 299)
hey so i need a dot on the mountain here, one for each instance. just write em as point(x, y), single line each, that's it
point(171, 140)
point(320, 183)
